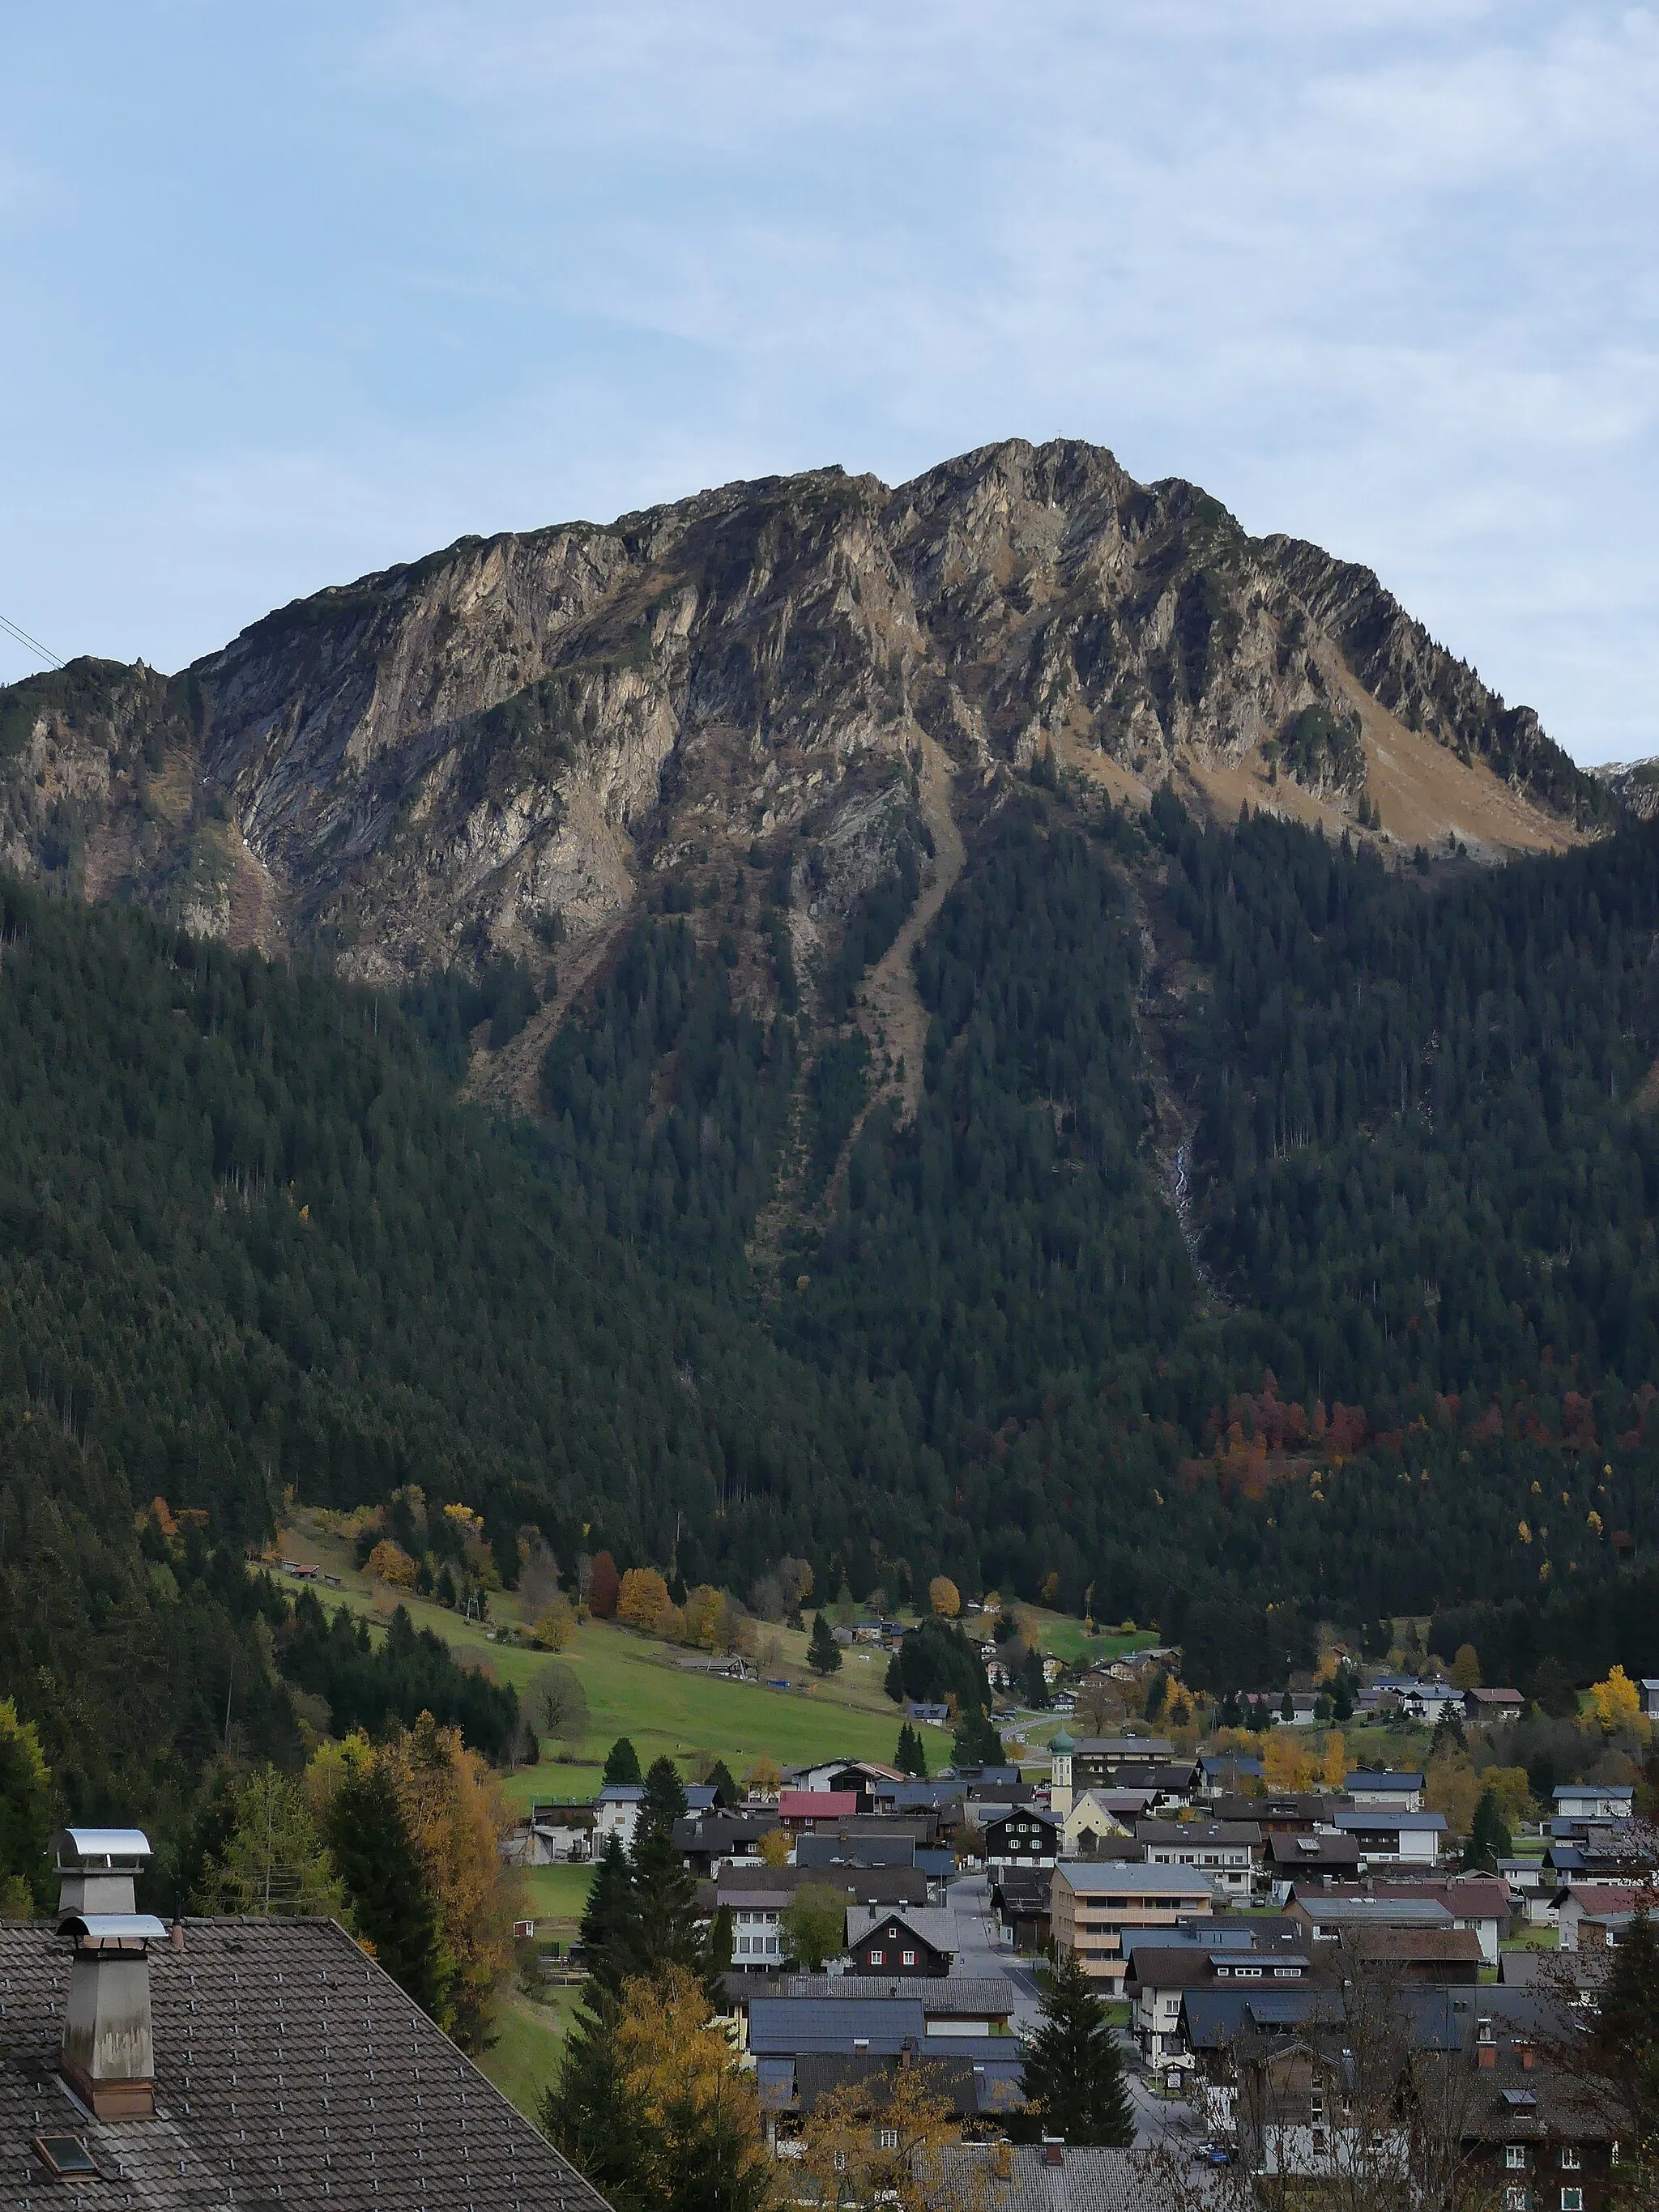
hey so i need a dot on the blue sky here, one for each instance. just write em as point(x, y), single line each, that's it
point(290, 292)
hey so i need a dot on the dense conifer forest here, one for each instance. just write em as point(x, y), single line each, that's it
point(1401, 1354)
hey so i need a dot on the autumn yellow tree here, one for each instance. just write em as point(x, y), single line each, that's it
point(1451, 1786)
point(1466, 1668)
point(1286, 1766)
point(705, 1613)
point(944, 1597)
point(774, 1847)
point(555, 1631)
point(1614, 1703)
point(690, 2105)
point(643, 1596)
point(452, 1806)
point(390, 1563)
point(1333, 1761)
point(1512, 1789)
point(887, 2142)
point(764, 1778)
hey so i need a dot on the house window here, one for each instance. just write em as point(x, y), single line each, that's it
point(887, 2139)
point(1515, 2157)
point(1517, 2197)
point(1571, 2159)
point(877, 1958)
point(909, 1958)
point(1572, 2200)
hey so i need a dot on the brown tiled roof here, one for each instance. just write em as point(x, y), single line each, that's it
point(290, 2071)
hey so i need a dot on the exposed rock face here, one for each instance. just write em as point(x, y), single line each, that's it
point(1634, 784)
point(504, 741)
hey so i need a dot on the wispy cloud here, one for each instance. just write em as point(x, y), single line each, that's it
point(1381, 275)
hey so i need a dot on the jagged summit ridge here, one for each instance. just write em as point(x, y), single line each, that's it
point(503, 741)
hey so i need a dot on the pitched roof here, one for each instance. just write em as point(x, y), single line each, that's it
point(1119, 1878)
point(932, 1925)
point(1197, 1832)
point(288, 2068)
point(1088, 2179)
point(1314, 1850)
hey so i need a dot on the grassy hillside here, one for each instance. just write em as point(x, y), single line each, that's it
point(634, 1688)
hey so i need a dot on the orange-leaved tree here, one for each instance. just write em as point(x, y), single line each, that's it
point(451, 1803)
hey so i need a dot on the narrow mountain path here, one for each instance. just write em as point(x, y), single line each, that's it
point(890, 1010)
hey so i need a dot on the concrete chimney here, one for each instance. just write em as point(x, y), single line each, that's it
point(108, 2056)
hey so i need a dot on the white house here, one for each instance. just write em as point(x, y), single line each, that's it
point(617, 1812)
point(1388, 1791)
point(1388, 1839)
point(1595, 1801)
point(755, 1939)
point(1649, 1687)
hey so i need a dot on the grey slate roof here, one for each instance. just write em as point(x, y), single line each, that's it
point(290, 2070)
point(1087, 2179)
point(934, 1924)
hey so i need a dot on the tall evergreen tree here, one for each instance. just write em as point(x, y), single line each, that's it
point(976, 1741)
point(664, 1801)
point(1073, 2076)
point(823, 1652)
point(1489, 1839)
point(622, 1762)
point(374, 1855)
point(719, 1778)
point(608, 1918)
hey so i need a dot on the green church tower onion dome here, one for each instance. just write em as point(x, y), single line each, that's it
point(1060, 1742)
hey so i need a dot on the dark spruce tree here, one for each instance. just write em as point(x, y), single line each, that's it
point(823, 1652)
point(975, 1743)
point(608, 1918)
point(375, 1857)
point(622, 1762)
point(1489, 1838)
point(664, 1801)
point(1073, 2077)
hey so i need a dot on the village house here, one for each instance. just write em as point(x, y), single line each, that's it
point(1391, 1838)
point(617, 1812)
point(901, 1940)
point(1384, 1789)
point(1092, 1904)
point(1226, 1850)
point(1490, 1708)
point(1023, 1837)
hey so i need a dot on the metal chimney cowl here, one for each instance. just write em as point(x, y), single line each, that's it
point(108, 2056)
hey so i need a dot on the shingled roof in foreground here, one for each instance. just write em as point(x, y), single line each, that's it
point(290, 2071)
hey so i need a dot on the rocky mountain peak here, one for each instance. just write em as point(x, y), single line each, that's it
point(523, 738)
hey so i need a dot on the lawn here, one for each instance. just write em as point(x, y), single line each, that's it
point(528, 2039)
point(554, 1896)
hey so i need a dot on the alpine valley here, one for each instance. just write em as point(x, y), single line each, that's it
point(1000, 1027)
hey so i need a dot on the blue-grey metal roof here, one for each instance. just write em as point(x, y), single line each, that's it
point(782, 2025)
point(1368, 1778)
point(1277, 2008)
point(937, 1863)
point(1386, 1911)
point(1595, 1789)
